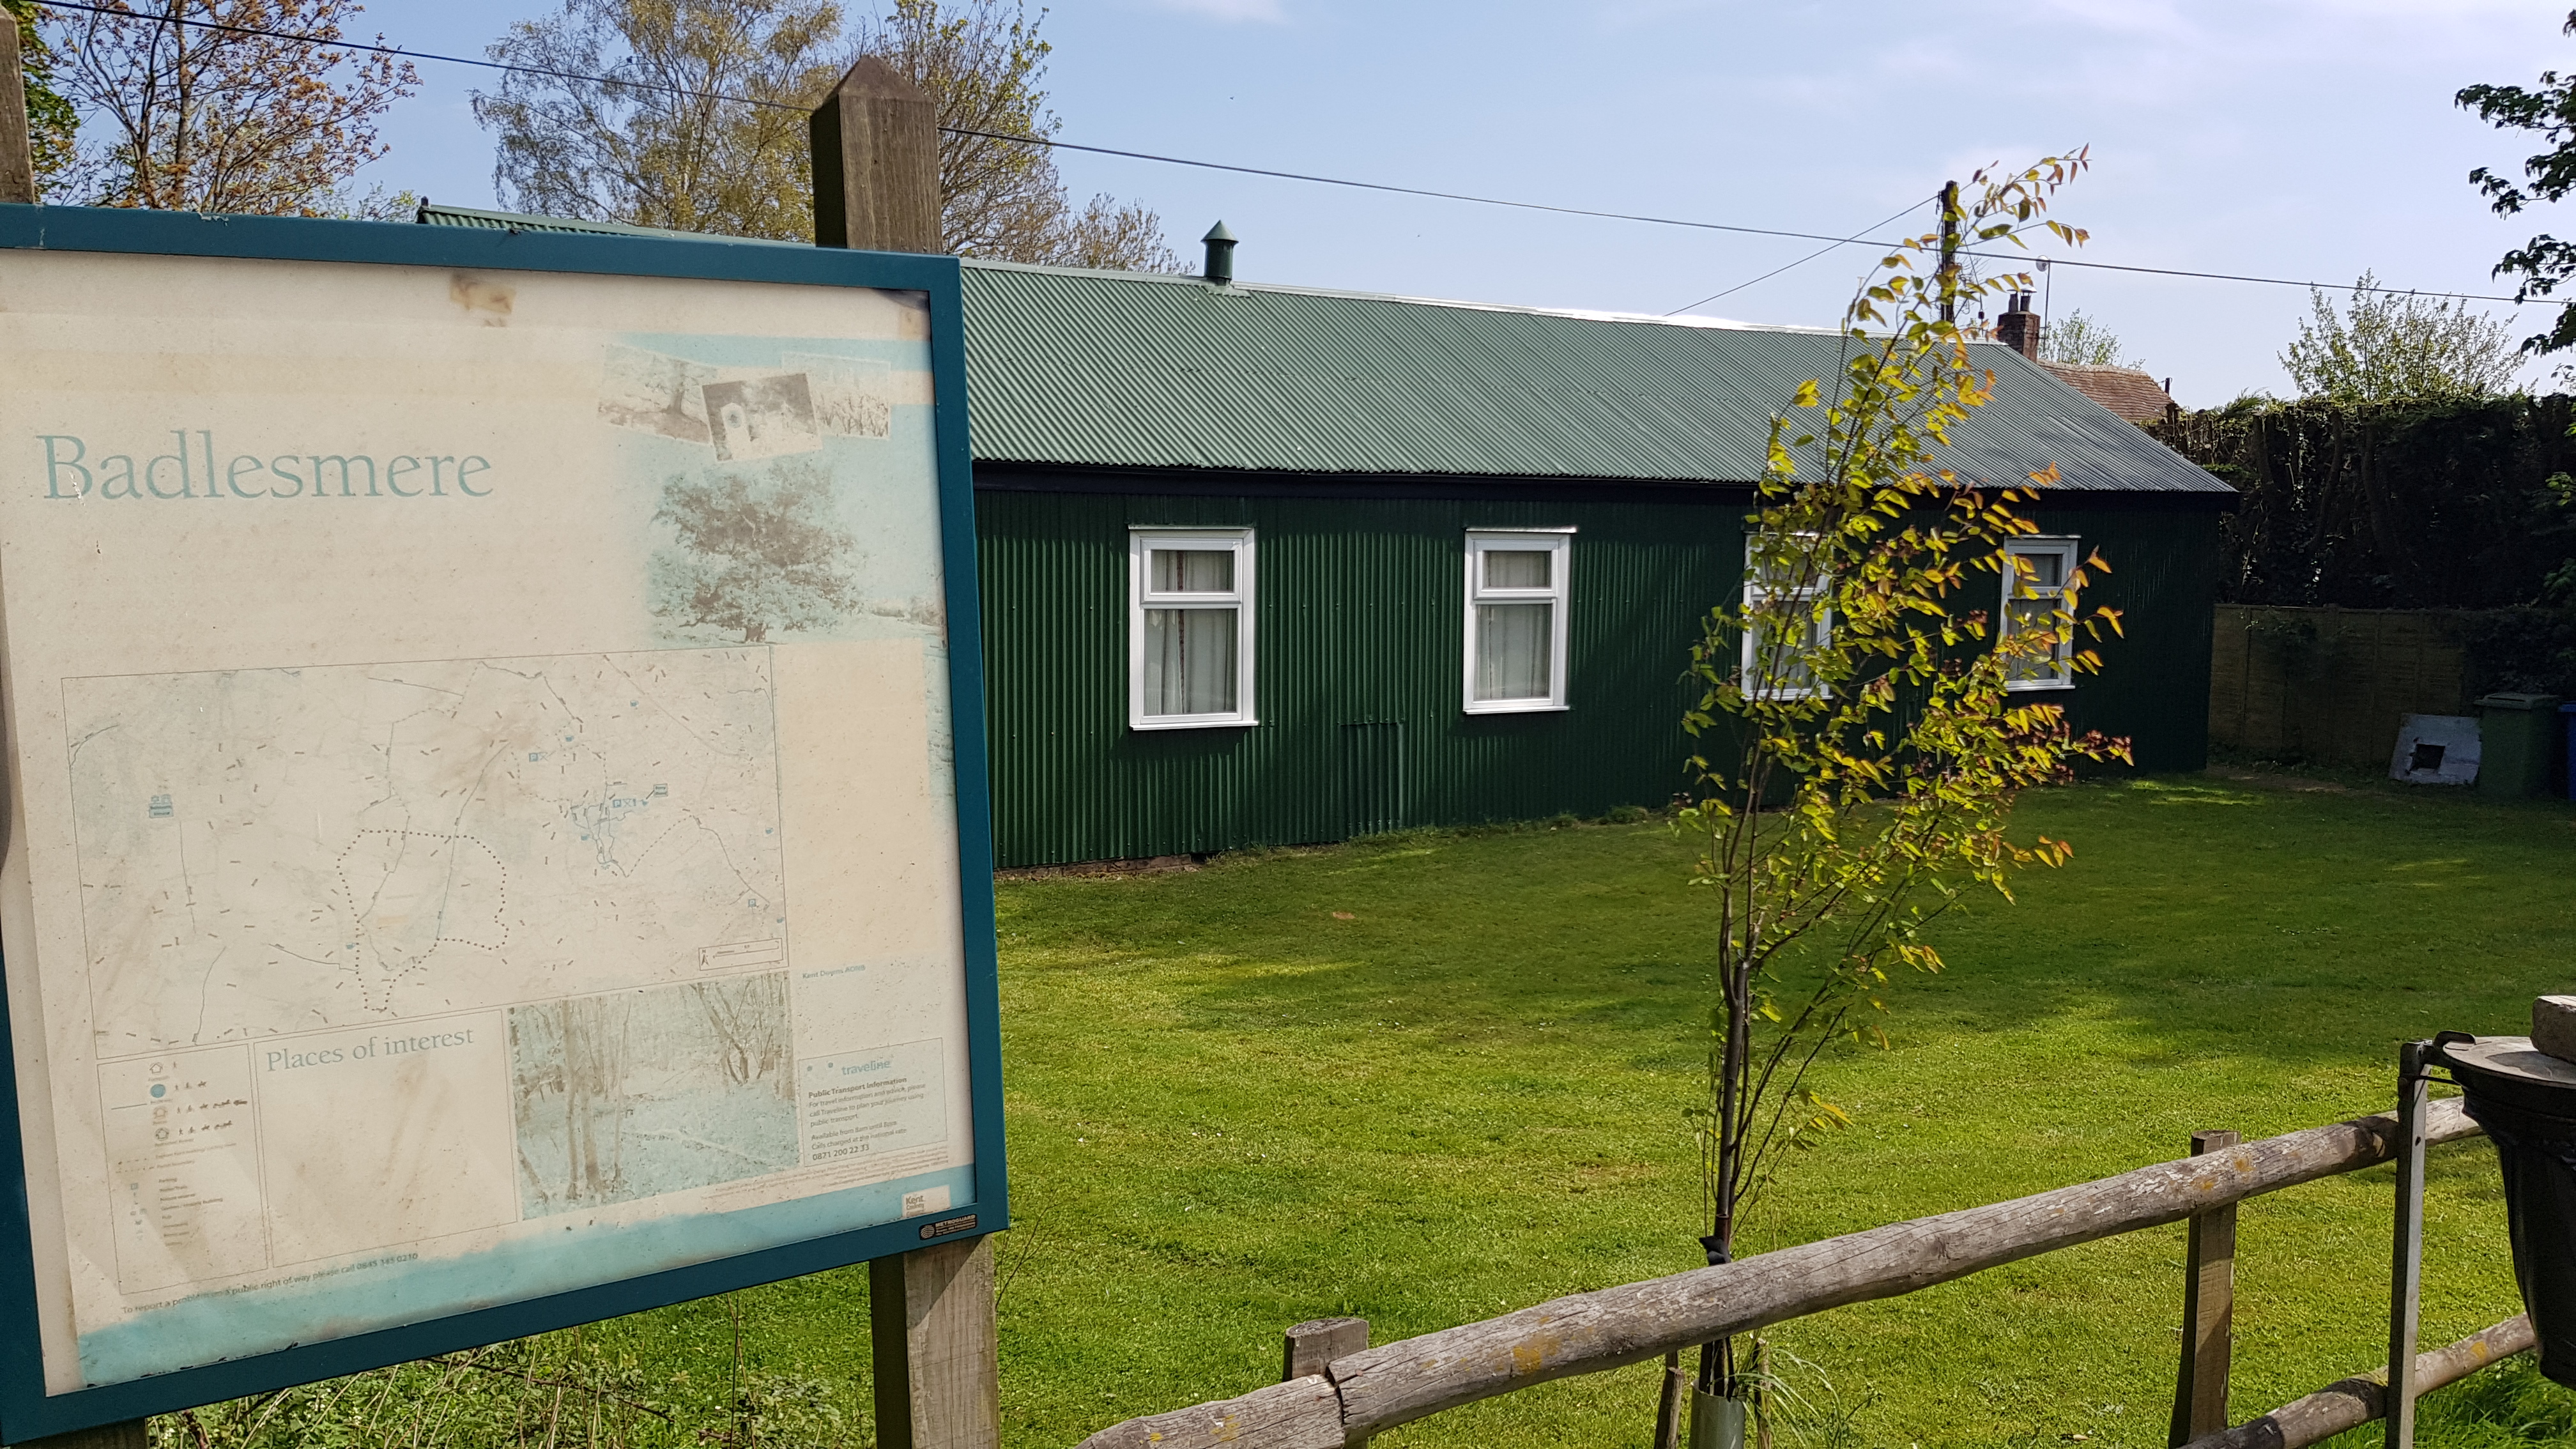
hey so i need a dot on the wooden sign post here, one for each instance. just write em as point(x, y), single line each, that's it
point(17, 150)
point(938, 1371)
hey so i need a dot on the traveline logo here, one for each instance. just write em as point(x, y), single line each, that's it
point(188, 470)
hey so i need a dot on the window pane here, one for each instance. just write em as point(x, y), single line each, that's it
point(2047, 570)
point(1512, 650)
point(1192, 571)
point(1776, 672)
point(1189, 660)
point(2031, 616)
point(1516, 568)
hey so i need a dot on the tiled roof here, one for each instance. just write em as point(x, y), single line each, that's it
point(2124, 390)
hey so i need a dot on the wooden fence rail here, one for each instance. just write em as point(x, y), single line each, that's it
point(1374, 1389)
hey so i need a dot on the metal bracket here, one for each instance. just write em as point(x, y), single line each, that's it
point(2406, 1273)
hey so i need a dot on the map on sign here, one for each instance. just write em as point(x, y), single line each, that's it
point(370, 842)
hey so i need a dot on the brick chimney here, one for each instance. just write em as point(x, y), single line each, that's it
point(2019, 327)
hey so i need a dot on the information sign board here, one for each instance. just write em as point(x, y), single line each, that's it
point(496, 824)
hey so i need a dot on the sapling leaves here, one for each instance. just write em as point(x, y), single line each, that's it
point(1862, 739)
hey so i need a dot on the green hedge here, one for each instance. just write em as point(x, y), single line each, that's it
point(2444, 504)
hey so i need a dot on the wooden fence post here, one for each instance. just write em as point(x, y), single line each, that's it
point(1311, 1347)
point(2208, 1312)
point(938, 1368)
point(876, 163)
point(17, 152)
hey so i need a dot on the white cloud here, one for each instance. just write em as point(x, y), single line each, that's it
point(1264, 12)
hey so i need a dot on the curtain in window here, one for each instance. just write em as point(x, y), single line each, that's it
point(1512, 649)
point(1189, 655)
point(1193, 571)
point(1515, 568)
point(2032, 616)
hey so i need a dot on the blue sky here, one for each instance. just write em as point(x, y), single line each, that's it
point(2290, 138)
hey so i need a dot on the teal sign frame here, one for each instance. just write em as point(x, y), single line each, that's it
point(26, 1410)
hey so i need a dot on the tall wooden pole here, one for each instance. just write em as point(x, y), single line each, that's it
point(1949, 251)
point(17, 154)
point(876, 163)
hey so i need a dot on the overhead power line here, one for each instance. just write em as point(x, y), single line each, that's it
point(1800, 262)
point(1379, 186)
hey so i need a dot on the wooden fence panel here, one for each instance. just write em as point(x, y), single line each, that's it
point(2330, 685)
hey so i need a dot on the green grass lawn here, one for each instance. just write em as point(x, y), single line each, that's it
point(1430, 1078)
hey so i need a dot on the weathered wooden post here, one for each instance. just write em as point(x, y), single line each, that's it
point(17, 151)
point(876, 163)
point(938, 1367)
point(938, 1364)
point(1310, 1347)
point(2208, 1312)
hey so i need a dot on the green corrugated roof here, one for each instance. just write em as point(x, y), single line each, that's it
point(466, 216)
point(1129, 369)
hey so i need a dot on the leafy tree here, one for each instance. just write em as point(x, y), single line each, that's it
point(2544, 263)
point(983, 62)
point(654, 145)
point(755, 552)
point(1862, 745)
point(51, 122)
point(2395, 346)
point(187, 117)
point(2082, 341)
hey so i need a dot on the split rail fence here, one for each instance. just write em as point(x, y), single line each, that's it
point(1341, 1391)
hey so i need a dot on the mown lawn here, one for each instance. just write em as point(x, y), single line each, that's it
point(1429, 1078)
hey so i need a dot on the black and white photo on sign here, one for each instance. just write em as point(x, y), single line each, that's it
point(761, 417)
point(654, 392)
point(852, 395)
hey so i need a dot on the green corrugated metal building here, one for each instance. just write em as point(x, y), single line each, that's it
point(1359, 446)
point(1271, 565)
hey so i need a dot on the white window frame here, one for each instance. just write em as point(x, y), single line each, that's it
point(2065, 547)
point(1559, 546)
point(1140, 597)
point(1823, 625)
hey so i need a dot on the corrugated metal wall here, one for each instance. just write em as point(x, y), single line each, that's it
point(1359, 634)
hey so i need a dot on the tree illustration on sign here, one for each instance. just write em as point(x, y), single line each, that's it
point(755, 552)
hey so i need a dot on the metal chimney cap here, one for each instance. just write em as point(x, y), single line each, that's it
point(1220, 255)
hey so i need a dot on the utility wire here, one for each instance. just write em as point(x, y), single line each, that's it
point(1047, 141)
point(1800, 262)
point(1052, 143)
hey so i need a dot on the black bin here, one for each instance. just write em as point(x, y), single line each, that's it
point(2526, 1101)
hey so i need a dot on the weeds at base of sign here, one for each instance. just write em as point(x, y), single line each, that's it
point(567, 1390)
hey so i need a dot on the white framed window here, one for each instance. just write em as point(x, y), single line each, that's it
point(2037, 599)
point(1189, 628)
point(1782, 672)
point(1516, 619)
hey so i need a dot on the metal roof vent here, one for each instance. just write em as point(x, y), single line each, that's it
point(1220, 254)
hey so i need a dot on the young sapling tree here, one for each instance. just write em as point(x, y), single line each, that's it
point(1867, 715)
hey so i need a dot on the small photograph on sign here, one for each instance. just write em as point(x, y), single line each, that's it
point(639, 1093)
point(654, 392)
point(761, 417)
point(852, 395)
